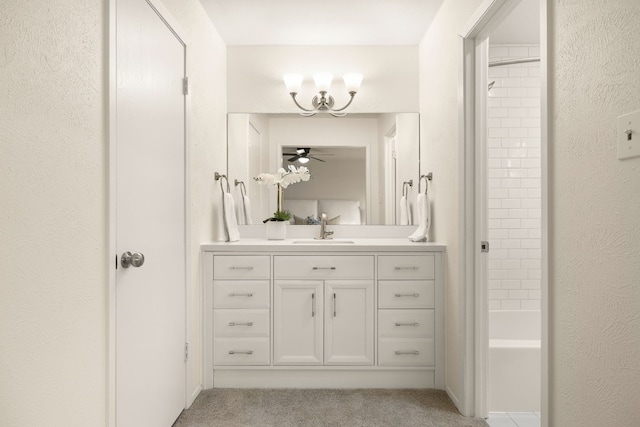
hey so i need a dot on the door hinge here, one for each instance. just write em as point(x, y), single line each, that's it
point(484, 246)
point(186, 351)
point(185, 86)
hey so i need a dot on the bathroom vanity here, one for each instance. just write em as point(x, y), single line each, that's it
point(305, 313)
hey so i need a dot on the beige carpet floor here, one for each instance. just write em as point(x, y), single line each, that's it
point(344, 408)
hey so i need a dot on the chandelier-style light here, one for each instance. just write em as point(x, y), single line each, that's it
point(323, 103)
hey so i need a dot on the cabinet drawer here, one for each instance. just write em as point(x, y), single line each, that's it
point(240, 323)
point(241, 294)
point(406, 323)
point(241, 267)
point(241, 351)
point(406, 294)
point(323, 267)
point(406, 352)
point(406, 267)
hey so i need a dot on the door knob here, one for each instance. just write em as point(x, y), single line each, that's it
point(129, 259)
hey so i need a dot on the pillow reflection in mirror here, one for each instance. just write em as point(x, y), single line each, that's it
point(347, 210)
point(310, 220)
point(301, 208)
point(334, 221)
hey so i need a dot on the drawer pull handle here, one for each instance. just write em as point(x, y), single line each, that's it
point(248, 294)
point(249, 352)
point(313, 304)
point(407, 295)
point(324, 268)
point(410, 353)
point(241, 324)
point(416, 324)
point(334, 304)
point(248, 268)
point(407, 268)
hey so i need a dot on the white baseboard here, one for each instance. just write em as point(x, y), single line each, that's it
point(335, 379)
point(454, 399)
point(193, 396)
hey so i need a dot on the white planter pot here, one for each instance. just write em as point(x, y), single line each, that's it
point(276, 230)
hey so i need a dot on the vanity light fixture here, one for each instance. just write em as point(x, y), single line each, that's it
point(323, 103)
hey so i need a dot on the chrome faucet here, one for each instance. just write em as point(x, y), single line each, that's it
point(324, 233)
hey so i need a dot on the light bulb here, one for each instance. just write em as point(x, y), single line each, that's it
point(352, 81)
point(293, 82)
point(323, 81)
point(303, 160)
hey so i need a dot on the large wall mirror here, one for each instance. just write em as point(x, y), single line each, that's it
point(360, 165)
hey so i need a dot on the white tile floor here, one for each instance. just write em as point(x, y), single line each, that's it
point(514, 419)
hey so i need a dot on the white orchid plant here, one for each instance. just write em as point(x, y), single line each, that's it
point(282, 179)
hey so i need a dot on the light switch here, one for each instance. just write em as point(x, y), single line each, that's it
point(628, 135)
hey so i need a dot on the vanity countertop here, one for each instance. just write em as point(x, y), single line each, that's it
point(329, 245)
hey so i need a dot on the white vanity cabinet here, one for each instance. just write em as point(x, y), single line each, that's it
point(406, 310)
point(327, 321)
point(319, 315)
point(323, 322)
point(241, 310)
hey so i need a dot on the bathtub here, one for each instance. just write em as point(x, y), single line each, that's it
point(513, 368)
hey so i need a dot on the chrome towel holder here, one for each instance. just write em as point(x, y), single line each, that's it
point(428, 177)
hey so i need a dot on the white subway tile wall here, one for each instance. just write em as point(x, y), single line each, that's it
point(514, 185)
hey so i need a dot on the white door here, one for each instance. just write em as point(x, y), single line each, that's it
point(297, 322)
point(150, 215)
point(348, 323)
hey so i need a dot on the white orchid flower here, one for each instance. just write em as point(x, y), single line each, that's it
point(284, 178)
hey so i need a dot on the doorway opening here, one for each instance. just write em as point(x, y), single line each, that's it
point(505, 210)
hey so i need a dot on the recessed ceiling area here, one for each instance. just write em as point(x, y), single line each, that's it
point(328, 22)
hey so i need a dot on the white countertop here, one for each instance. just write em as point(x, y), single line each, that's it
point(329, 245)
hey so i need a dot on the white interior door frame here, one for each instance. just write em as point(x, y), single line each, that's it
point(473, 338)
point(192, 389)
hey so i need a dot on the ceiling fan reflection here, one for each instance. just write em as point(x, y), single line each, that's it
point(303, 155)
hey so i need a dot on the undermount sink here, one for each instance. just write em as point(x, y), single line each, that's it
point(325, 241)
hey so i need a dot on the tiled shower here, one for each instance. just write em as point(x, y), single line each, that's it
point(514, 232)
point(514, 187)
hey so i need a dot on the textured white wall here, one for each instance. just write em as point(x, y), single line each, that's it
point(594, 215)
point(440, 61)
point(53, 215)
point(255, 77)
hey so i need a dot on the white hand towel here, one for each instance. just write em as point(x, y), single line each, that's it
point(240, 216)
point(404, 211)
point(423, 219)
point(229, 218)
point(246, 204)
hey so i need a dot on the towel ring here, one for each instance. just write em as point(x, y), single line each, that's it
point(405, 192)
point(243, 189)
point(427, 179)
point(219, 177)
